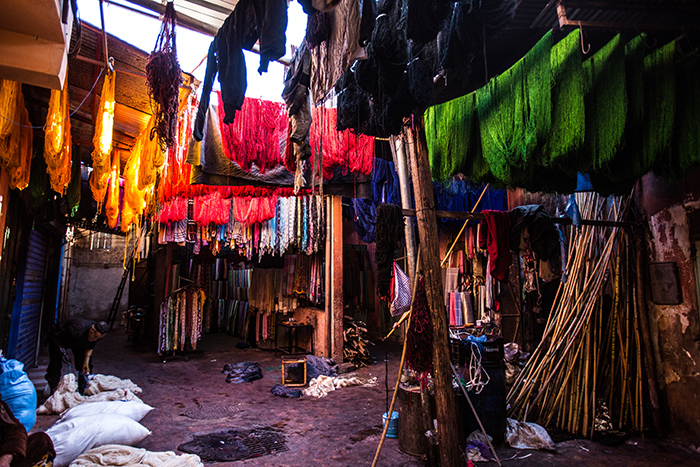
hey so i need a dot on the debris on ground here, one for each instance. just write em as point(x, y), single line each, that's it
point(284, 391)
point(244, 372)
point(355, 346)
point(321, 386)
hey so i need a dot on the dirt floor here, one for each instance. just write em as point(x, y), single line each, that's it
point(192, 397)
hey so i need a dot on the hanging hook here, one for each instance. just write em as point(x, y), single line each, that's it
point(580, 29)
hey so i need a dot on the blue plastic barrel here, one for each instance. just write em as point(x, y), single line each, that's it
point(393, 431)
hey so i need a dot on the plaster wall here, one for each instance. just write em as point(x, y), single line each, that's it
point(675, 329)
point(94, 278)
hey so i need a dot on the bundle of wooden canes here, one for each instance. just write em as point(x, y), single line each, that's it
point(588, 366)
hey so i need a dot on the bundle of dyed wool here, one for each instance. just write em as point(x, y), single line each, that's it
point(255, 136)
point(57, 140)
point(15, 140)
point(254, 210)
point(211, 209)
point(163, 78)
point(568, 108)
point(424, 20)
point(174, 210)
point(341, 149)
point(459, 41)
point(151, 157)
point(687, 138)
point(659, 104)
point(389, 232)
point(102, 141)
point(453, 141)
point(112, 204)
point(419, 341)
point(606, 108)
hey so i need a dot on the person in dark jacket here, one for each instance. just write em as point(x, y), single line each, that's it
point(16, 448)
point(80, 335)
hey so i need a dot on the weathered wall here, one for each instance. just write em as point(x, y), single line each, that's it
point(675, 328)
point(95, 275)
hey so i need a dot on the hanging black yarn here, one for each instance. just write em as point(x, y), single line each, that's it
point(419, 341)
point(495, 15)
point(353, 102)
point(368, 14)
point(424, 20)
point(460, 40)
point(421, 70)
point(389, 232)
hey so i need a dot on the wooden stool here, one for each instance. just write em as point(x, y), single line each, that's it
point(292, 360)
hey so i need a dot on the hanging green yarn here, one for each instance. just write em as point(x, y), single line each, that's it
point(450, 137)
point(568, 108)
point(73, 192)
point(686, 153)
point(606, 104)
point(501, 110)
point(659, 105)
point(538, 89)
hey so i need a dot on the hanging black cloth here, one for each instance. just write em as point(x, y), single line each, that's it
point(251, 21)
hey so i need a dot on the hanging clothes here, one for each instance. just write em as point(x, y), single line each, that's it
point(181, 319)
point(494, 236)
point(249, 22)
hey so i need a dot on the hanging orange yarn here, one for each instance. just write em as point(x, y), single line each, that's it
point(9, 132)
point(151, 158)
point(134, 198)
point(175, 175)
point(21, 165)
point(341, 149)
point(58, 141)
point(112, 206)
point(102, 141)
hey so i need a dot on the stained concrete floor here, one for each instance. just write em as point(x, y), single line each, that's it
point(341, 429)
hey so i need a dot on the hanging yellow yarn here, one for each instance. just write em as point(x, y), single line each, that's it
point(102, 141)
point(58, 141)
point(134, 198)
point(9, 131)
point(20, 168)
point(112, 206)
point(152, 157)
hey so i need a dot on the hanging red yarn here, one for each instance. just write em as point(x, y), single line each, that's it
point(211, 209)
point(174, 210)
point(420, 333)
point(255, 135)
point(341, 149)
point(253, 210)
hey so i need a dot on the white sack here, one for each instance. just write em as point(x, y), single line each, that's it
point(133, 409)
point(116, 455)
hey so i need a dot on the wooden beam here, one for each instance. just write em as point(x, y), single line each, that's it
point(430, 260)
point(479, 216)
point(336, 278)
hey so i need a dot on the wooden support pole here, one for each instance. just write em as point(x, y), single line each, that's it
point(427, 230)
point(398, 147)
point(336, 278)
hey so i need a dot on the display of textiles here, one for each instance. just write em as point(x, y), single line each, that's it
point(461, 309)
point(181, 319)
point(270, 227)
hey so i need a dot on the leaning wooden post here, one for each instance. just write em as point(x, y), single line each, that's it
point(430, 260)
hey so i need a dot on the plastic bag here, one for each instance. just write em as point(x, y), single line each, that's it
point(402, 292)
point(526, 435)
point(18, 391)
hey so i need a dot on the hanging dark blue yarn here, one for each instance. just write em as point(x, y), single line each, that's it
point(363, 214)
point(385, 183)
point(461, 195)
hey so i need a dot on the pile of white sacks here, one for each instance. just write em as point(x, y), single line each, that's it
point(100, 428)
